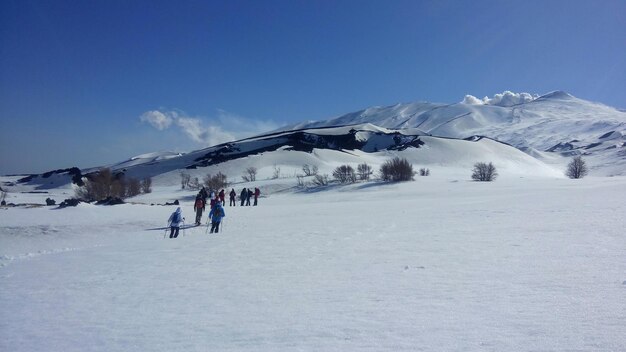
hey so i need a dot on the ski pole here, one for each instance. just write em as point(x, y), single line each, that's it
point(166, 228)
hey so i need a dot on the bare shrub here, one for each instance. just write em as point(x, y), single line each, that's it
point(300, 179)
point(309, 170)
point(146, 185)
point(133, 187)
point(217, 181)
point(185, 178)
point(344, 174)
point(364, 171)
point(306, 169)
point(102, 185)
point(484, 172)
point(577, 168)
point(194, 184)
point(276, 173)
point(250, 175)
point(320, 180)
point(396, 169)
point(424, 172)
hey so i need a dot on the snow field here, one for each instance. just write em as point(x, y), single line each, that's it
point(436, 264)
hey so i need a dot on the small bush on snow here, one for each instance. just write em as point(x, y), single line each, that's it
point(397, 169)
point(484, 172)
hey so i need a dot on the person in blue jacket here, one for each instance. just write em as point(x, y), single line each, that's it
point(175, 220)
point(216, 215)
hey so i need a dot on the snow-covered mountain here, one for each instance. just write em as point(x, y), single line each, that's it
point(535, 131)
point(324, 147)
point(555, 123)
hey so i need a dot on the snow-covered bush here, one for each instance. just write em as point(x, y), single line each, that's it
point(484, 172)
point(397, 169)
point(344, 174)
point(577, 168)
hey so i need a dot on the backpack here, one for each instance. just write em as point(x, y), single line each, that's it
point(199, 203)
point(176, 218)
point(218, 212)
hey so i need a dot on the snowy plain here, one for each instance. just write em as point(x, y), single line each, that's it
point(439, 264)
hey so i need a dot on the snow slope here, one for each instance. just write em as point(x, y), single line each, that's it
point(439, 264)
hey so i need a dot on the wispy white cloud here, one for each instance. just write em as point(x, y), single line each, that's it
point(225, 127)
point(507, 98)
point(157, 119)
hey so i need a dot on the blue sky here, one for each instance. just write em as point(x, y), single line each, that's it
point(80, 81)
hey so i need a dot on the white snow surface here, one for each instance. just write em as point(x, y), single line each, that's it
point(439, 264)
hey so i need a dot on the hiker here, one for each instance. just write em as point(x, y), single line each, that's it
point(257, 193)
point(198, 207)
point(249, 196)
point(214, 200)
point(233, 197)
point(174, 222)
point(243, 195)
point(216, 215)
point(222, 196)
point(204, 194)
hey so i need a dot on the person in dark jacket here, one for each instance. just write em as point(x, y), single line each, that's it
point(199, 207)
point(222, 196)
point(233, 197)
point(216, 215)
point(257, 193)
point(243, 195)
point(249, 196)
point(204, 194)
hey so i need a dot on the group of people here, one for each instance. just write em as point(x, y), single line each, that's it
point(245, 196)
point(216, 202)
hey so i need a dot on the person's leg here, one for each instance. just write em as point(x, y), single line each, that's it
point(176, 229)
point(172, 232)
point(217, 227)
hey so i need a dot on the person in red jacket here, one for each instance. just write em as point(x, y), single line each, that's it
point(222, 196)
point(257, 193)
point(198, 207)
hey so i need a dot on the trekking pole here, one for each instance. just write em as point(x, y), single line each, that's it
point(166, 228)
point(208, 223)
point(183, 228)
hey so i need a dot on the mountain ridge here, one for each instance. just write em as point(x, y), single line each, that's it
point(548, 127)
